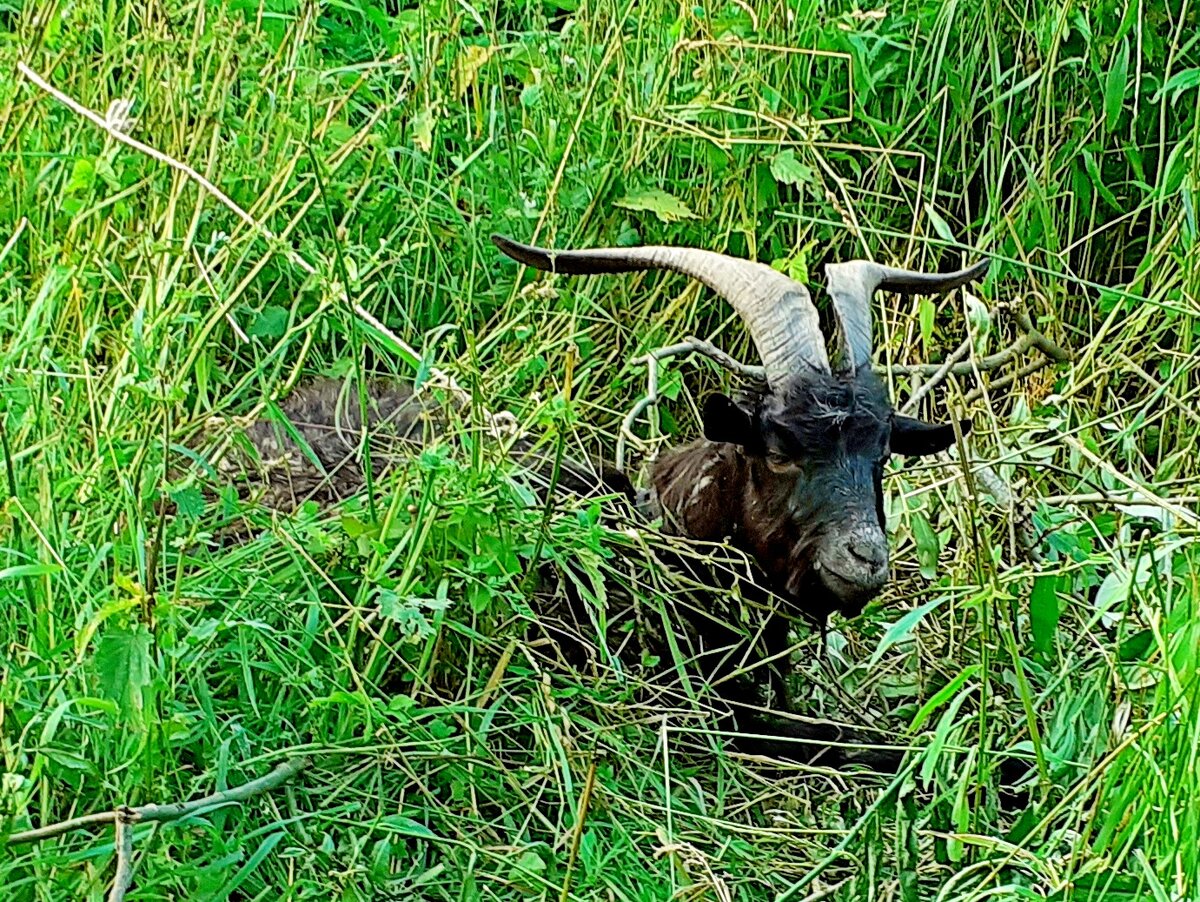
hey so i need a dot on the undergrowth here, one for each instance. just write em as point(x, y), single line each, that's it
point(314, 195)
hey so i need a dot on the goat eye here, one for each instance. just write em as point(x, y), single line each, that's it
point(780, 462)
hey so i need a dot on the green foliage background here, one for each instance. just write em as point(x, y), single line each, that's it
point(373, 148)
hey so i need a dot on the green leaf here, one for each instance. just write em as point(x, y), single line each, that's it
point(939, 225)
point(942, 696)
point(406, 826)
point(797, 268)
point(902, 627)
point(1136, 646)
point(925, 315)
point(526, 870)
point(1176, 168)
point(390, 605)
point(1179, 83)
point(531, 96)
point(422, 130)
point(1115, 84)
point(665, 206)
point(1114, 589)
point(1044, 612)
point(123, 667)
point(1093, 172)
point(927, 545)
point(247, 870)
point(270, 323)
point(108, 175)
point(189, 502)
point(790, 171)
point(83, 177)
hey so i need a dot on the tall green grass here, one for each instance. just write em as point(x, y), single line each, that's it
point(374, 148)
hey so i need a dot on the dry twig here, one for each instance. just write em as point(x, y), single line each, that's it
point(959, 364)
point(125, 818)
point(689, 345)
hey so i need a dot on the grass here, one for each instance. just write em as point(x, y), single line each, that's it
point(376, 149)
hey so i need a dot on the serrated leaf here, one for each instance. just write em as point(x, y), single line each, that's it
point(1044, 613)
point(790, 171)
point(270, 323)
point(390, 605)
point(666, 207)
point(1115, 84)
point(189, 502)
point(83, 177)
point(123, 667)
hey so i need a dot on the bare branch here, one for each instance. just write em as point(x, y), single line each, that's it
point(938, 376)
point(115, 128)
point(955, 365)
point(1038, 340)
point(1027, 370)
point(171, 812)
point(690, 345)
point(124, 844)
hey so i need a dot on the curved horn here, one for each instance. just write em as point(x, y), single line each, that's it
point(852, 284)
point(778, 311)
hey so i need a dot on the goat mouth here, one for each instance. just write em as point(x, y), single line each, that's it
point(851, 594)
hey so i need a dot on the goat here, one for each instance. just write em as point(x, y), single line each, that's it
point(789, 473)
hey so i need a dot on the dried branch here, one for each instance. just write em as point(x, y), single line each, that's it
point(1040, 362)
point(117, 123)
point(938, 376)
point(171, 812)
point(690, 345)
point(124, 844)
point(124, 818)
point(956, 365)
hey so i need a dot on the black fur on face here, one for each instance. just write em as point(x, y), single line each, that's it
point(815, 451)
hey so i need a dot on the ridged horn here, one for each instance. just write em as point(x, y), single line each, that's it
point(852, 284)
point(778, 312)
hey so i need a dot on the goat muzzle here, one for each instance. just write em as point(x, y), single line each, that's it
point(853, 567)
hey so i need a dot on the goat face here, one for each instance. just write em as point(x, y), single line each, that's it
point(804, 487)
point(812, 510)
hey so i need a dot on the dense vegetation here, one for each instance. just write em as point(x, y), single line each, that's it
point(357, 157)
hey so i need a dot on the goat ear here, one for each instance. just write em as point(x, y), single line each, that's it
point(725, 421)
point(913, 438)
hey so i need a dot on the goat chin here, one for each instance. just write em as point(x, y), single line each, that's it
point(327, 415)
point(850, 596)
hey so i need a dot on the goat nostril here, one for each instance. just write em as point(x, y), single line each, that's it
point(868, 553)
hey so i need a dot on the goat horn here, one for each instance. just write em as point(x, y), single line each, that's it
point(778, 311)
point(852, 284)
